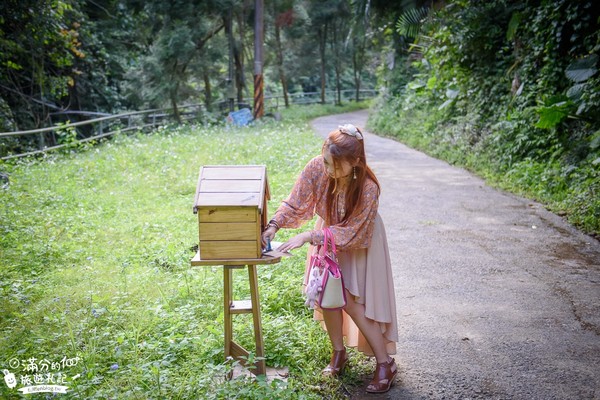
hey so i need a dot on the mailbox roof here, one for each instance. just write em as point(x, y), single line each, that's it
point(232, 185)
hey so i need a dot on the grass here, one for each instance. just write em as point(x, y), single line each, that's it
point(96, 288)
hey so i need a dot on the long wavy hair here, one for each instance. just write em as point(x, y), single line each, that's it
point(344, 147)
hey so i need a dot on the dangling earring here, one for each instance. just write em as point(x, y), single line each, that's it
point(354, 171)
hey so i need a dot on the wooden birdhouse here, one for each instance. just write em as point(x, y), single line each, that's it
point(231, 203)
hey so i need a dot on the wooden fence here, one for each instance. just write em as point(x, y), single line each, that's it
point(275, 102)
point(71, 134)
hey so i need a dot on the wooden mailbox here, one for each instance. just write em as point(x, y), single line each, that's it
point(231, 203)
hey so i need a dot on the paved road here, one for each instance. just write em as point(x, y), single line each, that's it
point(497, 297)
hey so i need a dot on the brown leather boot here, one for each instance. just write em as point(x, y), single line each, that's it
point(385, 374)
point(337, 364)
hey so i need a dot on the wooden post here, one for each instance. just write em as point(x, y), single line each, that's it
point(227, 300)
point(261, 368)
point(41, 141)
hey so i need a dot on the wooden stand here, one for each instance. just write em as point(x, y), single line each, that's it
point(231, 307)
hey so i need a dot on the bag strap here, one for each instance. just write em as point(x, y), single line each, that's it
point(328, 241)
point(332, 265)
point(322, 248)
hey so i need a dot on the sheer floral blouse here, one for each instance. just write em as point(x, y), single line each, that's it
point(308, 197)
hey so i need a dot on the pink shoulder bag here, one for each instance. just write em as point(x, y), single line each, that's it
point(325, 285)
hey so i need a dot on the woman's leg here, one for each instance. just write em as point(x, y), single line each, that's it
point(386, 370)
point(333, 321)
point(369, 328)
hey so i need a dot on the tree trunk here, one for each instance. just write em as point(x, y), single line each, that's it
point(338, 84)
point(336, 52)
point(356, 75)
point(280, 66)
point(238, 53)
point(322, 33)
point(174, 105)
point(230, 91)
point(207, 92)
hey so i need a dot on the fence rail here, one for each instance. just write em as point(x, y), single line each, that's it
point(97, 128)
point(315, 97)
point(71, 134)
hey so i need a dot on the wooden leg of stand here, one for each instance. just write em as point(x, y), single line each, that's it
point(227, 299)
point(261, 368)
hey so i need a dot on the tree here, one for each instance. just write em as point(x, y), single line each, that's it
point(283, 16)
point(183, 30)
point(38, 45)
point(113, 38)
point(357, 38)
point(290, 22)
point(339, 26)
point(322, 14)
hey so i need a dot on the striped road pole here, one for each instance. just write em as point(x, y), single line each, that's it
point(259, 106)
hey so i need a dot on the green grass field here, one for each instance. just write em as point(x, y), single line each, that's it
point(97, 292)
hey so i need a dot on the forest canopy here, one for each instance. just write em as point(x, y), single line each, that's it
point(113, 55)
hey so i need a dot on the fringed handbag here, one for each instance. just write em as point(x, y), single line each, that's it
point(325, 285)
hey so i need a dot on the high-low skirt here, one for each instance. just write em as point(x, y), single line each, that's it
point(368, 277)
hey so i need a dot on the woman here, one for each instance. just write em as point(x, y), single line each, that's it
point(342, 190)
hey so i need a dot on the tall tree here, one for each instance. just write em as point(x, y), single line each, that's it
point(38, 45)
point(331, 21)
point(360, 34)
point(183, 30)
point(322, 13)
point(283, 16)
point(113, 39)
point(290, 22)
point(242, 15)
point(339, 25)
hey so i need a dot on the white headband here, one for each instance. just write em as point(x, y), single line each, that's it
point(350, 130)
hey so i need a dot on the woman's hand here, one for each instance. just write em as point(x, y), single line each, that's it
point(268, 234)
point(295, 242)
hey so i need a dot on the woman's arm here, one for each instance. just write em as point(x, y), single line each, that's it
point(354, 234)
point(299, 206)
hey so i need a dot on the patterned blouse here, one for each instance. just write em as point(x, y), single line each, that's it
point(308, 197)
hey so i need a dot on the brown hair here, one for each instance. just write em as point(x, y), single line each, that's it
point(344, 147)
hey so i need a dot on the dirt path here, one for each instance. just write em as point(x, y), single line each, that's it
point(497, 297)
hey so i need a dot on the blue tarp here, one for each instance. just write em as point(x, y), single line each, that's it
point(240, 118)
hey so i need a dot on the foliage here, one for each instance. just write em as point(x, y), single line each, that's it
point(177, 49)
point(510, 90)
point(95, 248)
point(38, 45)
point(115, 55)
point(113, 40)
point(410, 22)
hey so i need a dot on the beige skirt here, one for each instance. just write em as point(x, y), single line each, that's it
point(368, 277)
